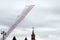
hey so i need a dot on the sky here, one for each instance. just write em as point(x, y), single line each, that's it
point(44, 17)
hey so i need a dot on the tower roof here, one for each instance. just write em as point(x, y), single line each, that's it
point(14, 38)
point(25, 38)
point(33, 34)
point(33, 31)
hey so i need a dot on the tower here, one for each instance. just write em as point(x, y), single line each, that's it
point(25, 38)
point(14, 38)
point(33, 34)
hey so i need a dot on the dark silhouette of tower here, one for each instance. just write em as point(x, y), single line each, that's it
point(14, 38)
point(33, 35)
point(25, 38)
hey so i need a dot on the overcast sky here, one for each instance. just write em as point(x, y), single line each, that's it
point(44, 17)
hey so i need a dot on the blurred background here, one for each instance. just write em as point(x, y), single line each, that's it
point(44, 17)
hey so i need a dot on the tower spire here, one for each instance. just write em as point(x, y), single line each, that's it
point(32, 30)
point(14, 38)
point(33, 34)
point(25, 38)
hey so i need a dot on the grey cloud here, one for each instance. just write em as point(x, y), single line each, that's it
point(47, 14)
